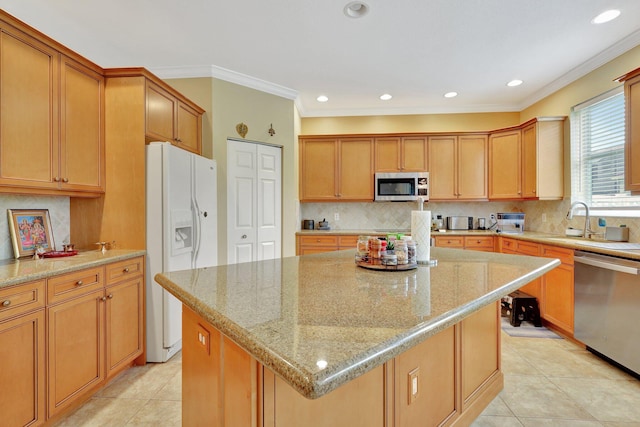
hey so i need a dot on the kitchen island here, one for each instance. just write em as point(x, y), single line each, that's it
point(316, 340)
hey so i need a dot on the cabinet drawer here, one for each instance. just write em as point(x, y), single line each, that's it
point(319, 240)
point(65, 286)
point(527, 248)
point(346, 242)
point(565, 255)
point(485, 242)
point(118, 271)
point(19, 299)
point(450, 242)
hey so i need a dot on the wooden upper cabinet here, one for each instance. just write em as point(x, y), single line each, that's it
point(355, 172)
point(28, 112)
point(458, 167)
point(82, 162)
point(318, 173)
point(632, 130)
point(401, 154)
point(51, 119)
point(336, 169)
point(169, 118)
point(543, 159)
point(505, 156)
point(442, 168)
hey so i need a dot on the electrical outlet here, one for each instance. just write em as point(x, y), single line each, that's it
point(336, 216)
point(492, 217)
point(544, 217)
point(413, 385)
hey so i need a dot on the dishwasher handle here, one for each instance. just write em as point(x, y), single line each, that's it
point(608, 263)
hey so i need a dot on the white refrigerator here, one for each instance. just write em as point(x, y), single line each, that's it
point(181, 223)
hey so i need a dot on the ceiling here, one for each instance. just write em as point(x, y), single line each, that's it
point(415, 50)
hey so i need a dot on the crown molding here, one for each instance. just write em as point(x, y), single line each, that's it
point(187, 72)
point(607, 55)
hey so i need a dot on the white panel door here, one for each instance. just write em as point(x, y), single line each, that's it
point(254, 206)
point(269, 202)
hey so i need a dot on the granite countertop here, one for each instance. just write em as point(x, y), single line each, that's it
point(13, 272)
point(619, 249)
point(319, 321)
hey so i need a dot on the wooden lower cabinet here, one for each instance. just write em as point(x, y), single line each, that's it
point(557, 293)
point(447, 379)
point(76, 347)
point(315, 244)
point(22, 370)
point(475, 243)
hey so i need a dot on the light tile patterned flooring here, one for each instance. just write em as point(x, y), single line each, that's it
point(548, 382)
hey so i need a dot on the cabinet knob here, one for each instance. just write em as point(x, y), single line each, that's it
point(56, 179)
point(65, 179)
point(126, 270)
point(6, 303)
point(110, 296)
point(79, 283)
point(244, 236)
point(103, 299)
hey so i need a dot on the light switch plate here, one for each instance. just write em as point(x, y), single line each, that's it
point(413, 385)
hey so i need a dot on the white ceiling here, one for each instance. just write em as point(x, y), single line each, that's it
point(415, 50)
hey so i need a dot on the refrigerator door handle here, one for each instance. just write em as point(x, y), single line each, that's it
point(197, 224)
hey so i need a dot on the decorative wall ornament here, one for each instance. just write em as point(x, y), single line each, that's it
point(242, 129)
point(272, 131)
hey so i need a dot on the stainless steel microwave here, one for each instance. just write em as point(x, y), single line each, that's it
point(401, 186)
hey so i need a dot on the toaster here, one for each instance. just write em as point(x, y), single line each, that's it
point(459, 223)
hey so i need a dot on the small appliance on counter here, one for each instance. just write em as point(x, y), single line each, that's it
point(323, 225)
point(308, 224)
point(459, 223)
point(616, 234)
point(512, 222)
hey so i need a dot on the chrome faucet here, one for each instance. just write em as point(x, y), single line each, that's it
point(587, 222)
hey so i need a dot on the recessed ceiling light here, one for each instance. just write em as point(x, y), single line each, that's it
point(356, 9)
point(606, 16)
point(322, 98)
point(514, 83)
point(451, 94)
point(386, 97)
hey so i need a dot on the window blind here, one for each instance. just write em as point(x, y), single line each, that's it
point(597, 152)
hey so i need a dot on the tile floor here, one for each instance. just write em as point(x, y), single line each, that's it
point(548, 382)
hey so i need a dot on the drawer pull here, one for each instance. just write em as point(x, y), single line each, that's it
point(126, 270)
point(6, 303)
point(79, 283)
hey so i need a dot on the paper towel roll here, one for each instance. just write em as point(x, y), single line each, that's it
point(421, 233)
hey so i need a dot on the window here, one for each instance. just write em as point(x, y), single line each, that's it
point(597, 153)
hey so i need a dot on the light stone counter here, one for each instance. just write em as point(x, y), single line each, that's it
point(13, 272)
point(319, 321)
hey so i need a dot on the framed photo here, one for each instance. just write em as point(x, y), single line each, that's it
point(30, 231)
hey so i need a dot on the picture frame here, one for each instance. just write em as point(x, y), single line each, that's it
point(30, 230)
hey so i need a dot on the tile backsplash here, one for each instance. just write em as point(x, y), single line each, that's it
point(397, 216)
point(58, 211)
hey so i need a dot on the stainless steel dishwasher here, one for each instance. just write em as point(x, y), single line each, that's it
point(607, 301)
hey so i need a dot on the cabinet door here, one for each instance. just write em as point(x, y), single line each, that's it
point(632, 134)
point(387, 154)
point(480, 349)
point(442, 168)
point(124, 324)
point(29, 112)
point(557, 297)
point(189, 128)
point(318, 174)
point(472, 167)
point(81, 128)
point(356, 169)
point(414, 154)
point(22, 374)
point(160, 117)
point(504, 165)
point(75, 348)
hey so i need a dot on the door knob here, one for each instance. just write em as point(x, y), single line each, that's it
point(244, 236)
